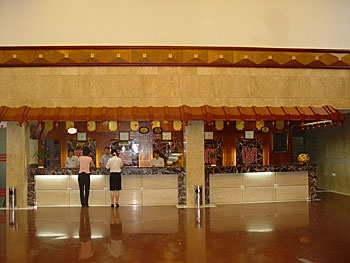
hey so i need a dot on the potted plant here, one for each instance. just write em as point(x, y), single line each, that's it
point(40, 156)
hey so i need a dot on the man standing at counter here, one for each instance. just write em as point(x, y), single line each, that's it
point(105, 157)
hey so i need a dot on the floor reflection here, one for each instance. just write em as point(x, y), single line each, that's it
point(270, 232)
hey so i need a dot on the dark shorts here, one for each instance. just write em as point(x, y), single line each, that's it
point(115, 181)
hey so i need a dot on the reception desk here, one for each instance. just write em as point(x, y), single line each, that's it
point(260, 183)
point(140, 186)
point(167, 186)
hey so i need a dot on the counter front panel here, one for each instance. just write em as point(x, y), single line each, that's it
point(140, 186)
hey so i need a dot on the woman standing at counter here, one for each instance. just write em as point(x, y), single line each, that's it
point(115, 180)
point(85, 162)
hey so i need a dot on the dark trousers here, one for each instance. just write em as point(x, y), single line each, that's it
point(84, 187)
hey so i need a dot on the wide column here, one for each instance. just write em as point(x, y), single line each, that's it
point(17, 140)
point(194, 160)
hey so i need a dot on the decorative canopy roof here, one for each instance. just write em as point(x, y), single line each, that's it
point(184, 113)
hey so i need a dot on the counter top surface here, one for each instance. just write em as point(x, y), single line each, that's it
point(97, 171)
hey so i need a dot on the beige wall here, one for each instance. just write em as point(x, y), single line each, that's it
point(17, 157)
point(173, 86)
point(273, 23)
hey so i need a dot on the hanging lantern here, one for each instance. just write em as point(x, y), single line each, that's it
point(48, 125)
point(112, 125)
point(240, 125)
point(259, 124)
point(280, 125)
point(177, 125)
point(219, 125)
point(155, 124)
point(69, 124)
point(134, 125)
point(91, 125)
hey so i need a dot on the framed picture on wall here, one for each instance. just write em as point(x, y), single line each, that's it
point(81, 136)
point(208, 135)
point(124, 136)
point(166, 136)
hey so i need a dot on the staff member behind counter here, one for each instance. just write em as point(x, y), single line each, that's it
point(157, 161)
point(72, 160)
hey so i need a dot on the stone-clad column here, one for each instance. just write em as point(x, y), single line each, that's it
point(194, 160)
point(17, 139)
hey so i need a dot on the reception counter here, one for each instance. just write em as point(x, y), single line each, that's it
point(167, 186)
point(260, 183)
point(140, 186)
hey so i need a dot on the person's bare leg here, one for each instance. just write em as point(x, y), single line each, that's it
point(112, 198)
point(117, 198)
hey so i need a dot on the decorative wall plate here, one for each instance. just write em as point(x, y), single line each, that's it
point(157, 130)
point(265, 129)
point(143, 130)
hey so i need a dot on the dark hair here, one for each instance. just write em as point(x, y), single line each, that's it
point(156, 151)
point(107, 148)
point(115, 152)
point(86, 151)
point(70, 150)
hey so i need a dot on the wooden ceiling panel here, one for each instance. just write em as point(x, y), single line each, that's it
point(183, 113)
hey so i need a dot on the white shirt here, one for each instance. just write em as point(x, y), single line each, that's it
point(114, 164)
point(104, 159)
point(157, 162)
point(72, 162)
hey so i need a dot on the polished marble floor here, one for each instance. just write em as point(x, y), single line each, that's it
point(271, 232)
